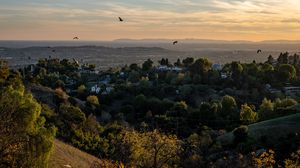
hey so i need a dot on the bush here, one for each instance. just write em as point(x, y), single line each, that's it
point(240, 133)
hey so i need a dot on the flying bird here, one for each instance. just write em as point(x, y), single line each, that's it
point(120, 19)
point(259, 51)
point(175, 42)
point(75, 38)
point(53, 50)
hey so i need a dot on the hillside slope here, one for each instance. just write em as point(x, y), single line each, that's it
point(272, 129)
point(64, 155)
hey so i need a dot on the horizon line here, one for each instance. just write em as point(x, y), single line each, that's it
point(152, 39)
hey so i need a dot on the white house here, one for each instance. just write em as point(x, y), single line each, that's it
point(95, 89)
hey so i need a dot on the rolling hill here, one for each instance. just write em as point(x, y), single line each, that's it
point(272, 129)
point(67, 156)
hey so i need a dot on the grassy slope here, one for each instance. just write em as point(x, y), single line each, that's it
point(273, 128)
point(65, 154)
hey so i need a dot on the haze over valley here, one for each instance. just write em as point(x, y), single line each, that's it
point(107, 54)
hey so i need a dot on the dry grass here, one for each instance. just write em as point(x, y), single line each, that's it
point(64, 154)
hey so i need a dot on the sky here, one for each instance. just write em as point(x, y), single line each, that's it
point(253, 20)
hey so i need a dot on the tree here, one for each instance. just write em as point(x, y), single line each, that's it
point(24, 139)
point(237, 70)
point(270, 60)
point(147, 65)
point(81, 89)
point(134, 77)
point(93, 100)
point(207, 114)
point(294, 160)
point(283, 58)
point(266, 109)
point(92, 104)
point(71, 115)
point(267, 72)
point(286, 72)
point(178, 63)
point(284, 103)
point(163, 62)
point(134, 67)
point(229, 107)
point(4, 70)
point(240, 133)
point(247, 115)
point(152, 149)
point(201, 66)
point(188, 61)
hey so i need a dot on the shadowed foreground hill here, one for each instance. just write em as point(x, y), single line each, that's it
point(65, 154)
point(272, 129)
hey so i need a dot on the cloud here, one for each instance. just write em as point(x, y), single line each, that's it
point(164, 18)
point(292, 20)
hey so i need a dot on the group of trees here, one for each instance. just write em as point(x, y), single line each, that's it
point(152, 118)
point(25, 139)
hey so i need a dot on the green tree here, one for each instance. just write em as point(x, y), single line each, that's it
point(71, 115)
point(134, 77)
point(237, 70)
point(4, 70)
point(266, 109)
point(229, 108)
point(81, 89)
point(240, 133)
point(147, 65)
point(201, 66)
point(24, 140)
point(247, 115)
point(286, 72)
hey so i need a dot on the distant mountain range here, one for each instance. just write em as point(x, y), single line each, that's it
point(201, 41)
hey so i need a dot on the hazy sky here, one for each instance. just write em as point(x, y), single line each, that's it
point(173, 19)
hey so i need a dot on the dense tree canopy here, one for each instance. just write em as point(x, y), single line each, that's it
point(24, 140)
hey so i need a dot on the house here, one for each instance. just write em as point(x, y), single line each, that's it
point(176, 69)
point(167, 68)
point(271, 90)
point(107, 90)
point(217, 67)
point(95, 89)
point(291, 90)
point(225, 75)
point(106, 80)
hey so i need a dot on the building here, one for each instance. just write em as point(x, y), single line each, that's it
point(217, 67)
point(292, 90)
point(95, 89)
point(167, 68)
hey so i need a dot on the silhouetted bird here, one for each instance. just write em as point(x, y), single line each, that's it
point(120, 19)
point(258, 51)
point(75, 38)
point(53, 50)
point(29, 58)
point(175, 42)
